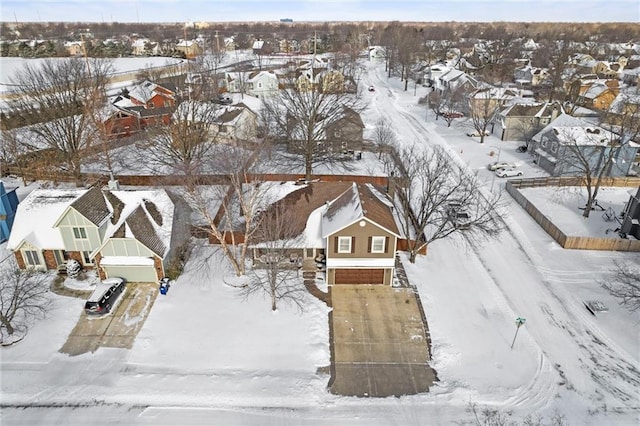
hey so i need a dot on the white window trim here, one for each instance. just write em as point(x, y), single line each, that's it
point(81, 231)
point(85, 258)
point(373, 244)
point(26, 258)
point(340, 242)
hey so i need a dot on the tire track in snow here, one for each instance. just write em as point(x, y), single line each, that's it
point(541, 388)
point(586, 340)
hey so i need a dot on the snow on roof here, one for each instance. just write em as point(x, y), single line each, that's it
point(575, 131)
point(36, 216)
point(144, 215)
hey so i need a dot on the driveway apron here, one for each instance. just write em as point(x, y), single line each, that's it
point(379, 344)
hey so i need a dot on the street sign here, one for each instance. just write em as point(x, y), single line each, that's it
point(520, 321)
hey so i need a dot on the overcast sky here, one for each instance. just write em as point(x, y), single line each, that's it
point(320, 10)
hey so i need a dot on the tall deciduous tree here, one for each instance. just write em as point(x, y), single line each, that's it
point(276, 276)
point(301, 117)
point(593, 153)
point(61, 94)
point(483, 109)
point(229, 209)
point(185, 146)
point(23, 298)
point(437, 197)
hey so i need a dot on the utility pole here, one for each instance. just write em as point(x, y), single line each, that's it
point(217, 42)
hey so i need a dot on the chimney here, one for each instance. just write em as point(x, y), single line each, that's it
point(113, 183)
point(391, 186)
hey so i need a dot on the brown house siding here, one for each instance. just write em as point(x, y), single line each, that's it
point(157, 263)
point(50, 259)
point(19, 260)
point(360, 242)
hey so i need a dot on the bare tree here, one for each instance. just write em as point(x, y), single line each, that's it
point(275, 275)
point(483, 109)
point(527, 129)
point(60, 93)
point(624, 285)
point(186, 144)
point(594, 153)
point(23, 298)
point(383, 137)
point(448, 103)
point(301, 118)
point(241, 196)
point(437, 197)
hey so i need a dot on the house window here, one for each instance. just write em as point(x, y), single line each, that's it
point(85, 258)
point(554, 147)
point(80, 233)
point(31, 257)
point(543, 142)
point(344, 244)
point(377, 244)
point(60, 257)
point(223, 129)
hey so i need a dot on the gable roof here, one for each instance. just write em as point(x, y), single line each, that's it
point(92, 206)
point(36, 216)
point(356, 203)
point(146, 216)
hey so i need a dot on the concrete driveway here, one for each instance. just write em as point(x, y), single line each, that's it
point(378, 341)
point(117, 329)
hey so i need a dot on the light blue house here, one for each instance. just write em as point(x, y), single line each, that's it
point(8, 207)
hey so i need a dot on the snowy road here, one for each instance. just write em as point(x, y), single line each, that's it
point(574, 353)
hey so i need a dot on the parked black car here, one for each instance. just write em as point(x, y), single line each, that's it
point(522, 148)
point(104, 296)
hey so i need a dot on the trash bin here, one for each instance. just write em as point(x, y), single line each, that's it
point(164, 285)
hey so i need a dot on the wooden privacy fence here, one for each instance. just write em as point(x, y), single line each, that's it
point(566, 241)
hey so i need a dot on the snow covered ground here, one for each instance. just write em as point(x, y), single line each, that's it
point(206, 356)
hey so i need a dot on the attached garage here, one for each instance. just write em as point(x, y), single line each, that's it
point(144, 274)
point(359, 276)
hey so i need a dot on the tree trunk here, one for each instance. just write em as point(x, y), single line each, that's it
point(274, 306)
point(7, 325)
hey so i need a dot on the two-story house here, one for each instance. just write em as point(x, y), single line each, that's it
point(360, 237)
point(341, 131)
point(569, 145)
point(349, 228)
point(521, 121)
point(127, 234)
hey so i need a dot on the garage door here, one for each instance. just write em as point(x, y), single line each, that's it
point(359, 276)
point(143, 274)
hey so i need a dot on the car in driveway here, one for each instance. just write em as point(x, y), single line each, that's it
point(500, 165)
point(508, 172)
point(105, 296)
point(371, 89)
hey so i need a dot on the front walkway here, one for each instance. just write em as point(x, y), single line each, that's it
point(379, 344)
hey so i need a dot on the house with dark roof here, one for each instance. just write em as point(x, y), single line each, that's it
point(520, 121)
point(127, 234)
point(569, 145)
point(347, 227)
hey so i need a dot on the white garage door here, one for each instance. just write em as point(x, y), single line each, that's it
point(143, 274)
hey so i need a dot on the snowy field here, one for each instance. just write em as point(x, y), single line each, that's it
point(207, 356)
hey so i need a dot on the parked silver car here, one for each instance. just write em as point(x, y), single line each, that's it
point(500, 165)
point(508, 173)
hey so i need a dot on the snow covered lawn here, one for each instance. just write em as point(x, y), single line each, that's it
point(562, 206)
